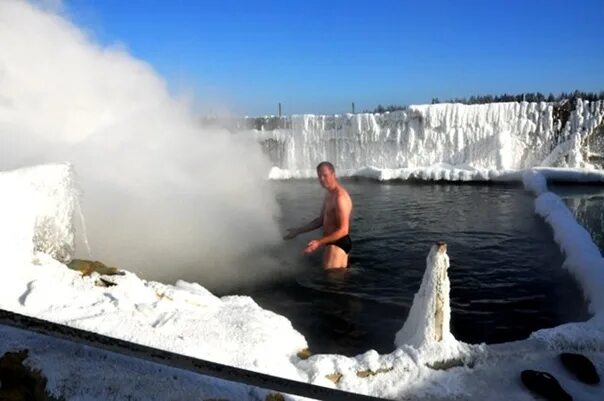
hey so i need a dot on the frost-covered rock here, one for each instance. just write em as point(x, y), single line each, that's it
point(37, 210)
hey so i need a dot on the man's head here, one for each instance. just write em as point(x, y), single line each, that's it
point(327, 175)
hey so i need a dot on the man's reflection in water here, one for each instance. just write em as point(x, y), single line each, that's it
point(337, 311)
point(337, 280)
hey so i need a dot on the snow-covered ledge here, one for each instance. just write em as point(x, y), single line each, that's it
point(583, 260)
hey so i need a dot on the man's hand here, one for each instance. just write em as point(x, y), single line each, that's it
point(291, 233)
point(312, 246)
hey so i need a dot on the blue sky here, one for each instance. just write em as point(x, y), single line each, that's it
point(319, 56)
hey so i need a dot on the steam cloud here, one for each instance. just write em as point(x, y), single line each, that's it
point(162, 197)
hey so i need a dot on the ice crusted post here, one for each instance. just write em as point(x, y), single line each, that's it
point(430, 314)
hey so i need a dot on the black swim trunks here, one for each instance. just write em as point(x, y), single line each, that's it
point(345, 243)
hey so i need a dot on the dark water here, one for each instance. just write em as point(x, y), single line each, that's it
point(506, 275)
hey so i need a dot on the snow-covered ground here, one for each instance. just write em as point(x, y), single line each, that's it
point(40, 205)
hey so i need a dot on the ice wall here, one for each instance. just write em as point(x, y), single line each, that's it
point(495, 136)
point(37, 210)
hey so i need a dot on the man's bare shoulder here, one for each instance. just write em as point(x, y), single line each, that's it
point(342, 194)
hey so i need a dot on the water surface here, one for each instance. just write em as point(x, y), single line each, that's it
point(506, 275)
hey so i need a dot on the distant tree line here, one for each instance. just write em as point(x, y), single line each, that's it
point(392, 107)
point(527, 97)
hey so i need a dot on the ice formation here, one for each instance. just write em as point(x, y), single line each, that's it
point(441, 141)
point(430, 314)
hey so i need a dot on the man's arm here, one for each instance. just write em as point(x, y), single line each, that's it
point(313, 225)
point(343, 211)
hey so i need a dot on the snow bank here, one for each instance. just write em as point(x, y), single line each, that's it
point(184, 318)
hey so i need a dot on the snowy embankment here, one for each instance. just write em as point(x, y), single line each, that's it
point(39, 205)
point(453, 142)
point(583, 260)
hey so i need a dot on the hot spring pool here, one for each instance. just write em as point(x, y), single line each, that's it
point(506, 275)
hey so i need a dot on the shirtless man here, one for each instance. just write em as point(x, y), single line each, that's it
point(334, 218)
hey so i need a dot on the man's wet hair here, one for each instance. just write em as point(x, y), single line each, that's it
point(326, 164)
